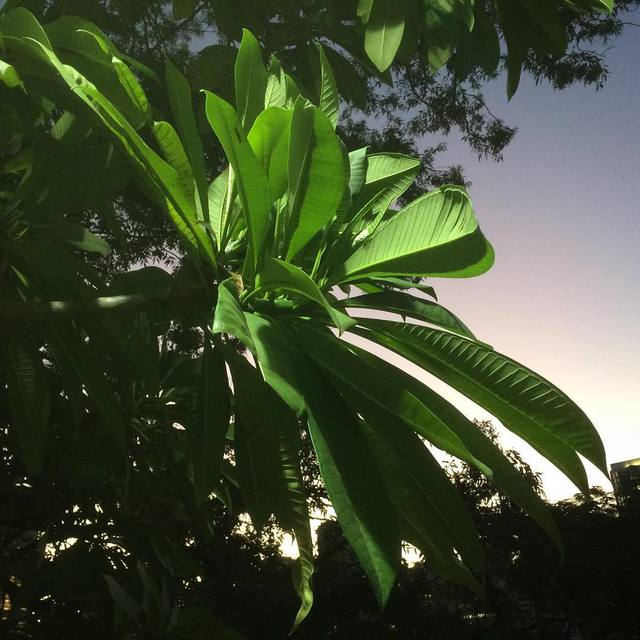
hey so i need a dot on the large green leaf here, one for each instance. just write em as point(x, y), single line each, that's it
point(504, 475)
point(80, 365)
point(329, 98)
point(358, 167)
point(174, 153)
point(380, 284)
point(384, 31)
point(9, 76)
point(546, 16)
point(257, 445)
point(20, 22)
point(516, 39)
point(269, 139)
point(351, 80)
point(409, 306)
point(524, 401)
point(251, 178)
point(210, 424)
point(317, 175)
point(425, 497)
point(388, 176)
point(82, 45)
point(352, 367)
point(435, 235)
point(228, 316)
point(212, 69)
point(180, 100)
point(250, 79)
point(354, 485)
point(81, 238)
point(279, 275)
point(276, 92)
point(29, 398)
point(356, 490)
point(221, 195)
point(293, 514)
point(285, 369)
point(443, 23)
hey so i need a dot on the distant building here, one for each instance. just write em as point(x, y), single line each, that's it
point(626, 481)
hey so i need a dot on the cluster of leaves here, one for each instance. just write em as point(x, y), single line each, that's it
point(268, 244)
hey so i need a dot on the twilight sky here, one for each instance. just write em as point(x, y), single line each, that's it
point(563, 214)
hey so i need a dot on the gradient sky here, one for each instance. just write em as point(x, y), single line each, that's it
point(563, 214)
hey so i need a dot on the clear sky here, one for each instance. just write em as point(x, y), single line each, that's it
point(563, 214)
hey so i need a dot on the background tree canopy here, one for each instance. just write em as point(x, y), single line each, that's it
point(134, 428)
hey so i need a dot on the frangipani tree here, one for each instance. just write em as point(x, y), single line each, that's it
point(293, 219)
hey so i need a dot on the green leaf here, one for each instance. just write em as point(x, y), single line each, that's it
point(21, 23)
point(516, 39)
point(382, 283)
point(180, 100)
point(29, 400)
point(351, 81)
point(9, 76)
point(250, 80)
point(293, 515)
point(389, 175)
point(424, 495)
point(183, 9)
point(358, 166)
point(435, 235)
point(80, 365)
point(410, 306)
point(81, 238)
point(275, 94)
point(134, 348)
point(256, 440)
point(356, 490)
point(383, 34)
point(355, 487)
point(212, 69)
point(277, 274)
point(174, 153)
point(504, 474)
point(482, 45)
point(329, 97)
point(207, 436)
point(444, 22)
point(251, 179)
point(280, 362)
point(546, 17)
point(82, 45)
point(222, 194)
point(269, 139)
point(121, 598)
point(370, 387)
point(132, 86)
point(228, 316)
point(522, 400)
point(317, 176)
point(364, 10)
